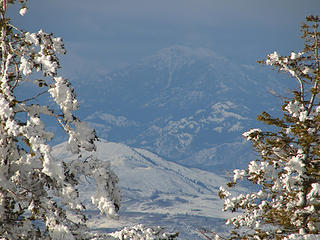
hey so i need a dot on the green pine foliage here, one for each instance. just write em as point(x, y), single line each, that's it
point(287, 173)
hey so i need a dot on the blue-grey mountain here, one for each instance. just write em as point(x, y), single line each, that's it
point(188, 105)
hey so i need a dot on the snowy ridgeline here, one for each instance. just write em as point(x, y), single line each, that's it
point(156, 192)
point(190, 136)
point(183, 101)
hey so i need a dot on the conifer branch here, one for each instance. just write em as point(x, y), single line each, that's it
point(316, 57)
point(287, 175)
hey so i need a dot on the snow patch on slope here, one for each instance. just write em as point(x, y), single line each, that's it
point(156, 192)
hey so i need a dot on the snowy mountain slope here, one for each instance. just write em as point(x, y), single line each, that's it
point(179, 102)
point(157, 192)
point(192, 133)
point(221, 158)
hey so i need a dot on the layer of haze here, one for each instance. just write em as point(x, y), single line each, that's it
point(102, 35)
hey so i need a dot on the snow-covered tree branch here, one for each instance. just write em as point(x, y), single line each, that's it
point(287, 202)
point(38, 193)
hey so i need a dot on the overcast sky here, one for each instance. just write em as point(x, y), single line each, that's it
point(101, 35)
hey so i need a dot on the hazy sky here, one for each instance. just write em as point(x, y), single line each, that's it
point(101, 35)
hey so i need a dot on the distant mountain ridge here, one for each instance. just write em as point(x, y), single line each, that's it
point(188, 106)
point(179, 102)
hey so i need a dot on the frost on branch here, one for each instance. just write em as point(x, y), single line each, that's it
point(286, 203)
point(39, 196)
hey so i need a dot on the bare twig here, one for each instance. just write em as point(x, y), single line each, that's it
point(15, 28)
point(301, 89)
point(17, 78)
point(34, 97)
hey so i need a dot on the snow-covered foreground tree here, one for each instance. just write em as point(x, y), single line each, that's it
point(39, 196)
point(287, 173)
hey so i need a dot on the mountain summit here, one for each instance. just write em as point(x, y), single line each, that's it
point(181, 103)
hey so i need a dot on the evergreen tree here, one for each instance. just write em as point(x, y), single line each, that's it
point(287, 173)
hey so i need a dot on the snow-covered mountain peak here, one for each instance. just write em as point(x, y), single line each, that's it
point(179, 101)
point(177, 56)
point(184, 51)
